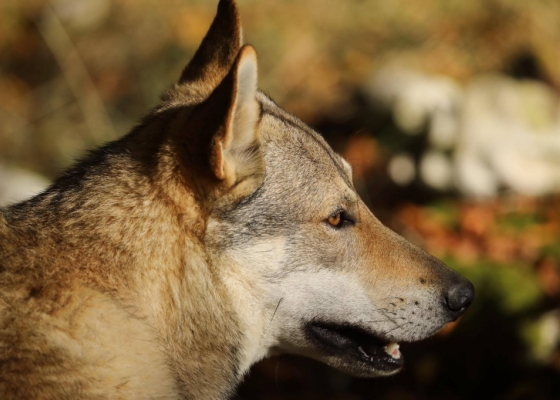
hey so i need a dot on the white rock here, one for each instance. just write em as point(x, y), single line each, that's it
point(503, 133)
point(511, 128)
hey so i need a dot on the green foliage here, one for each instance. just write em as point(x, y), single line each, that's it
point(513, 286)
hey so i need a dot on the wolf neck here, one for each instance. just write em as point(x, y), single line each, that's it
point(129, 240)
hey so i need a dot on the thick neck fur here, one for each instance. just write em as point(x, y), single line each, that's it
point(108, 228)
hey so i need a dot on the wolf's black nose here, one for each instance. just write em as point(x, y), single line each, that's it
point(459, 297)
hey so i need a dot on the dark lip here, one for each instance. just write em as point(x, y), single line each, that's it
point(352, 342)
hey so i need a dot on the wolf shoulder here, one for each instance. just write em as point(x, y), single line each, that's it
point(67, 341)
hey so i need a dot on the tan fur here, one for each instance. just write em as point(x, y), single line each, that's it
point(168, 262)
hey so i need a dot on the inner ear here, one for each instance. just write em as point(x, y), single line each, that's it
point(240, 146)
point(228, 123)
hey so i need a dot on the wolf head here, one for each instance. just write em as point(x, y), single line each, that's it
point(308, 266)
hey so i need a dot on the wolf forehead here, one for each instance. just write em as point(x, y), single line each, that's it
point(290, 133)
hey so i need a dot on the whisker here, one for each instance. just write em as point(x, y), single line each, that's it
point(276, 309)
point(396, 327)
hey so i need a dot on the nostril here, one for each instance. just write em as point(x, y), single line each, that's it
point(459, 297)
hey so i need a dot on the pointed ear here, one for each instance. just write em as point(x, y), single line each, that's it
point(228, 123)
point(218, 50)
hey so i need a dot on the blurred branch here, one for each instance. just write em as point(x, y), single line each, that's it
point(77, 76)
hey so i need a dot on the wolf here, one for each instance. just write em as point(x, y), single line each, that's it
point(217, 232)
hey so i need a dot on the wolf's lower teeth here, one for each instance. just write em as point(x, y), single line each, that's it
point(393, 350)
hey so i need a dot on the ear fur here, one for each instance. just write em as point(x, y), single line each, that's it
point(229, 120)
point(218, 50)
point(240, 152)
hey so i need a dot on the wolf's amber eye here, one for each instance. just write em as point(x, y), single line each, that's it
point(335, 219)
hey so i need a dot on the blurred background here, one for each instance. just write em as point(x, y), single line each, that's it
point(448, 111)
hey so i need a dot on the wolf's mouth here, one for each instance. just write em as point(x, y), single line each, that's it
point(356, 343)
